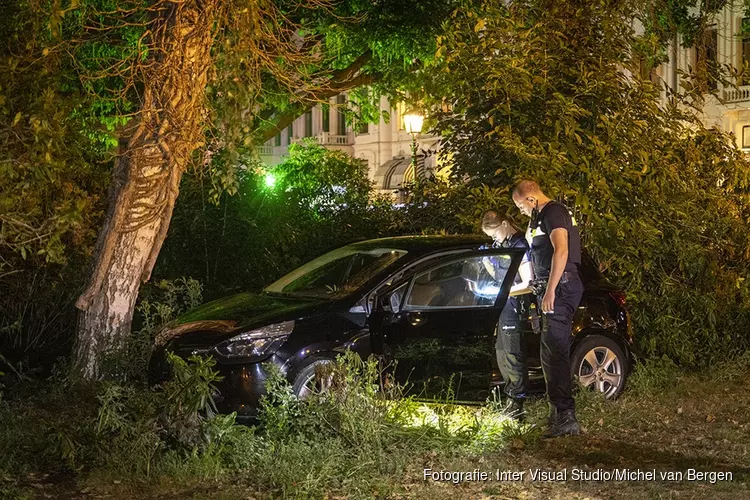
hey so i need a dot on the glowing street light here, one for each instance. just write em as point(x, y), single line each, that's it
point(413, 122)
point(270, 180)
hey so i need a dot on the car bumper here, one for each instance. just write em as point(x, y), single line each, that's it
point(239, 390)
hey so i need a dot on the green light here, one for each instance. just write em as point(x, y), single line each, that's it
point(270, 180)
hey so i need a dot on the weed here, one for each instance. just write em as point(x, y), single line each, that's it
point(654, 375)
point(160, 305)
point(733, 369)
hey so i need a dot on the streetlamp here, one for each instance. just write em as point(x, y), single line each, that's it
point(413, 125)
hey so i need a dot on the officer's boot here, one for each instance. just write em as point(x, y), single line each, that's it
point(565, 425)
point(552, 417)
point(515, 409)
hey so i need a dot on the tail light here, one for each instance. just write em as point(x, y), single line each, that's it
point(618, 297)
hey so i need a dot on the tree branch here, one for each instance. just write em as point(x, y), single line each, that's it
point(341, 81)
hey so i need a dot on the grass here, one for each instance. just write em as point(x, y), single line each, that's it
point(354, 443)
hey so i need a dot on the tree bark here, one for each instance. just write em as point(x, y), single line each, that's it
point(146, 177)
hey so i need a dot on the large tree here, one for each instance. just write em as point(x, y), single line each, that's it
point(173, 77)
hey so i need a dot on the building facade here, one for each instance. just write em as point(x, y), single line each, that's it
point(724, 45)
point(385, 147)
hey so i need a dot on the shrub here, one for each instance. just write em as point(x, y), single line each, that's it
point(662, 200)
point(321, 200)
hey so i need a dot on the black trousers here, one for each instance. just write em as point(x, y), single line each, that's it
point(511, 358)
point(555, 343)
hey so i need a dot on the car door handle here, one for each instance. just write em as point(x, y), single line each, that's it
point(416, 318)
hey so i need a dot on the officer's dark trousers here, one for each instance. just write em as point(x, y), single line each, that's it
point(511, 358)
point(555, 344)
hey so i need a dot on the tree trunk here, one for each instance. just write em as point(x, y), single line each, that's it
point(146, 177)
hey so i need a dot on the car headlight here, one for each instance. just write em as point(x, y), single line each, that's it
point(256, 344)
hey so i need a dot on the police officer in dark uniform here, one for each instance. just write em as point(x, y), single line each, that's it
point(511, 358)
point(555, 255)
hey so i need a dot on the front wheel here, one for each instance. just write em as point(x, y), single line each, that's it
point(600, 363)
point(313, 378)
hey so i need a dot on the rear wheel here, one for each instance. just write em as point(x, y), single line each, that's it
point(600, 364)
point(313, 378)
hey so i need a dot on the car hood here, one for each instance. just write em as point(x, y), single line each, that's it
point(240, 312)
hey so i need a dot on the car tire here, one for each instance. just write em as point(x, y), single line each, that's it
point(306, 380)
point(599, 362)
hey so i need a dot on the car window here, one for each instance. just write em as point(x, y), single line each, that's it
point(336, 274)
point(471, 282)
point(396, 297)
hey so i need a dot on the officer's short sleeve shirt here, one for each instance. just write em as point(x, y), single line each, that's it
point(553, 216)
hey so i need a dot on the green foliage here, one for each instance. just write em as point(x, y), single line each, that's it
point(189, 394)
point(654, 375)
point(355, 405)
point(356, 433)
point(279, 410)
point(540, 93)
point(392, 39)
point(448, 206)
point(53, 177)
point(50, 176)
point(126, 430)
point(734, 369)
point(321, 200)
point(159, 303)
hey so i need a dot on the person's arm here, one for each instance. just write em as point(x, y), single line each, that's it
point(527, 273)
point(489, 267)
point(559, 239)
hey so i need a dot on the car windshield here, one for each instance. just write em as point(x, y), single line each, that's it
point(337, 273)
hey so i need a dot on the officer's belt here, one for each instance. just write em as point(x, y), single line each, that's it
point(539, 286)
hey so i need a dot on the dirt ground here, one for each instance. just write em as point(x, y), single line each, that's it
point(695, 425)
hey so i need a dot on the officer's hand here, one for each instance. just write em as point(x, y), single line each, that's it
point(548, 302)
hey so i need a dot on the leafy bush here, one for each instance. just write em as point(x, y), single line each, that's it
point(54, 172)
point(322, 199)
point(539, 91)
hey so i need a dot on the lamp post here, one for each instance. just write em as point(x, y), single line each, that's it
point(413, 125)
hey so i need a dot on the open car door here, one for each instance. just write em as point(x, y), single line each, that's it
point(435, 325)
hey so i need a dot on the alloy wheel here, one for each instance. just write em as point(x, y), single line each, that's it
point(601, 369)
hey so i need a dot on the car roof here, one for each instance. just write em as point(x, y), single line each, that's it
point(423, 244)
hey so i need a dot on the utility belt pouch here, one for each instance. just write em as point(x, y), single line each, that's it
point(534, 319)
point(538, 287)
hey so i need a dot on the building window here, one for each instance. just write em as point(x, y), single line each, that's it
point(400, 111)
point(746, 137)
point(365, 163)
point(289, 133)
point(745, 62)
point(277, 140)
point(707, 61)
point(326, 110)
point(340, 116)
point(362, 126)
point(308, 124)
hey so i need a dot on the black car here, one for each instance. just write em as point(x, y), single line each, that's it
point(425, 302)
